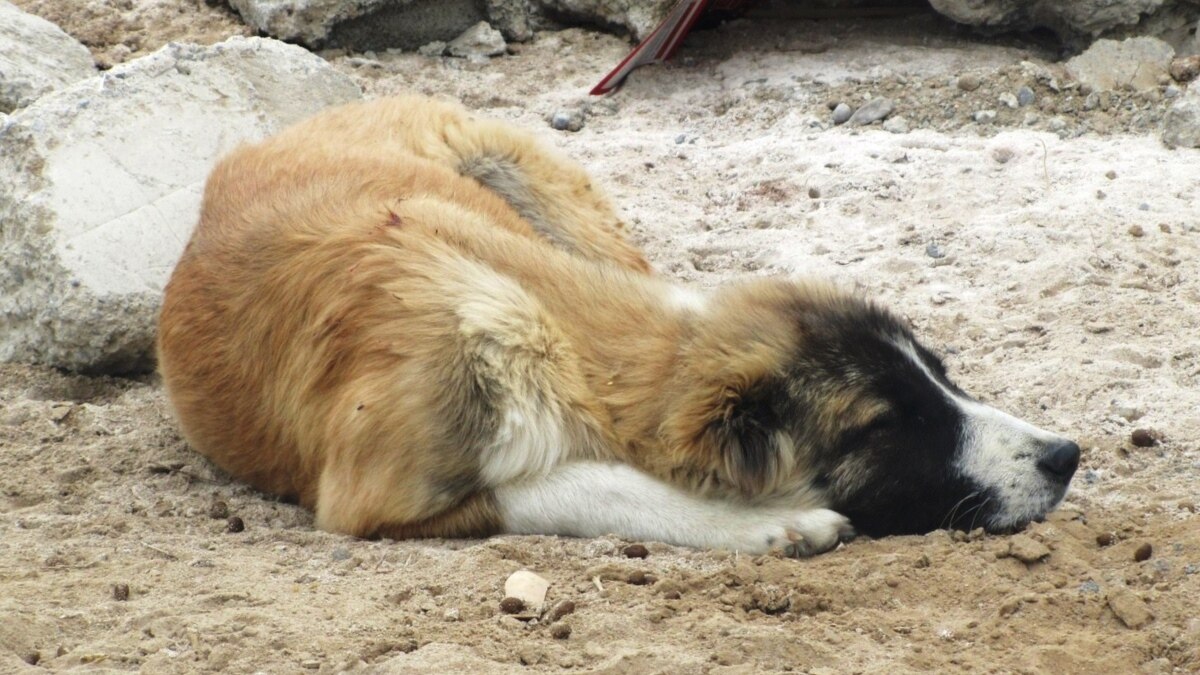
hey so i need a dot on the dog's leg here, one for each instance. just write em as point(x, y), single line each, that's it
point(589, 499)
point(476, 516)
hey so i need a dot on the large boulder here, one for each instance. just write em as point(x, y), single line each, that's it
point(100, 186)
point(361, 24)
point(36, 57)
point(1068, 18)
point(408, 24)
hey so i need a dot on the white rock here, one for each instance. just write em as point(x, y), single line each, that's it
point(984, 116)
point(1134, 62)
point(896, 125)
point(103, 188)
point(36, 57)
point(478, 41)
point(529, 588)
point(1181, 125)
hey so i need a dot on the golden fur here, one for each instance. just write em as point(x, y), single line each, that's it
point(393, 309)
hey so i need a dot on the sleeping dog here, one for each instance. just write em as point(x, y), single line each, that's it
point(423, 324)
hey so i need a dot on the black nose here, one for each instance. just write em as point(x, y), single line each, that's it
point(1060, 460)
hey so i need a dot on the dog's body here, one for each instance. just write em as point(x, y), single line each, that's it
point(421, 324)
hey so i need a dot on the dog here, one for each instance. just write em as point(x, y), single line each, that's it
point(418, 323)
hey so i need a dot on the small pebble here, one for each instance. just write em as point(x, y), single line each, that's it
point(234, 525)
point(529, 588)
point(567, 120)
point(1143, 552)
point(1110, 174)
point(218, 510)
point(638, 550)
point(896, 125)
point(1025, 96)
point(984, 116)
point(1143, 438)
point(813, 193)
point(558, 611)
point(1056, 124)
point(680, 139)
point(934, 251)
point(1002, 155)
point(560, 631)
point(512, 605)
point(340, 553)
point(1009, 100)
point(120, 592)
point(842, 113)
point(1105, 539)
point(1137, 231)
point(1089, 586)
point(969, 82)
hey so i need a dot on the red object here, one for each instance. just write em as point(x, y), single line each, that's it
point(658, 46)
point(662, 43)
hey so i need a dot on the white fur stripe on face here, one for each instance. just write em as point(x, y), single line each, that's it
point(998, 452)
point(591, 499)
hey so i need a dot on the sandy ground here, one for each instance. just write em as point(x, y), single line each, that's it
point(1052, 255)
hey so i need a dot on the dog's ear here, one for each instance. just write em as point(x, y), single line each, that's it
point(746, 432)
point(732, 430)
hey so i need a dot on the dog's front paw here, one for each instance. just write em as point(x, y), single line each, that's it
point(813, 531)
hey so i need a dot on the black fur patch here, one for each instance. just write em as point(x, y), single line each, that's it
point(896, 475)
point(747, 437)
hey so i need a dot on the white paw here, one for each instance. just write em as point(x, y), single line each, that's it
point(800, 534)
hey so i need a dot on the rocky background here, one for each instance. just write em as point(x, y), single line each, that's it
point(1018, 177)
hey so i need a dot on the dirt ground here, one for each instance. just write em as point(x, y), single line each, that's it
point(1052, 254)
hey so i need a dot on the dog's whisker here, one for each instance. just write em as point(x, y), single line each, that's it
point(979, 510)
point(948, 521)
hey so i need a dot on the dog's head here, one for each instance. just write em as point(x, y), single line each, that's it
point(799, 388)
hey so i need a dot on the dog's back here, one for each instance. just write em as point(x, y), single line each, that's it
point(304, 293)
